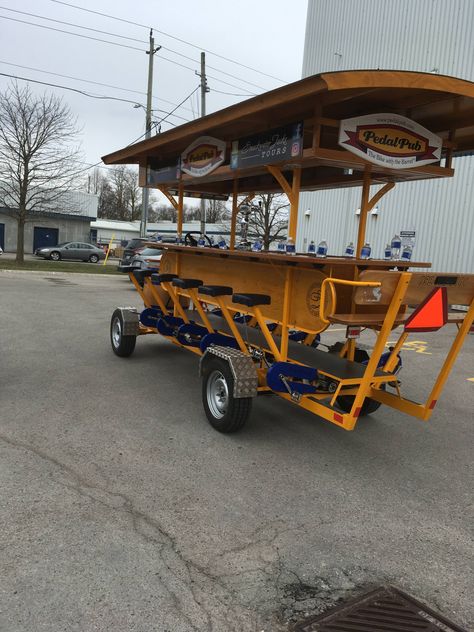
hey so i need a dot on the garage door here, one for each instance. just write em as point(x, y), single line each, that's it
point(43, 237)
point(2, 236)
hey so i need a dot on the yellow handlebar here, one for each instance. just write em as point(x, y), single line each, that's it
point(331, 282)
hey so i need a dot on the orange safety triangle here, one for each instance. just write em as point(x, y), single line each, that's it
point(430, 315)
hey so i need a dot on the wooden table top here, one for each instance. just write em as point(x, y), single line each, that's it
point(292, 260)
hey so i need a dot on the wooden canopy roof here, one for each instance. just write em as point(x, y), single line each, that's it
point(444, 105)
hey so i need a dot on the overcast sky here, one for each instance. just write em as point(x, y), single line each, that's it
point(266, 35)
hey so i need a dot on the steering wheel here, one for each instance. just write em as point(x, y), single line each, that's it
point(189, 240)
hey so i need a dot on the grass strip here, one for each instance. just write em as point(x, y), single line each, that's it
point(59, 266)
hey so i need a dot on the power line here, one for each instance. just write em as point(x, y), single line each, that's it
point(230, 94)
point(104, 85)
point(133, 39)
point(96, 83)
point(96, 39)
point(228, 74)
point(88, 28)
point(86, 94)
point(51, 28)
point(179, 105)
point(113, 17)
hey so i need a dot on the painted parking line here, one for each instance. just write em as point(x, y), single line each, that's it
point(418, 346)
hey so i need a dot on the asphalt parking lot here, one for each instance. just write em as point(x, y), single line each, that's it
point(121, 509)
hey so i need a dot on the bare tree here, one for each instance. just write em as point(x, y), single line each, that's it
point(134, 195)
point(215, 211)
point(38, 154)
point(269, 218)
point(163, 212)
point(119, 193)
point(192, 213)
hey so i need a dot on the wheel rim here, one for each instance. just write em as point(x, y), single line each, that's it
point(94, 259)
point(55, 256)
point(217, 394)
point(116, 332)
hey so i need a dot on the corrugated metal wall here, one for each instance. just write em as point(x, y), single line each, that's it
point(426, 35)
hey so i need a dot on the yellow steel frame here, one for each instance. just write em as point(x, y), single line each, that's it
point(366, 386)
point(424, 411)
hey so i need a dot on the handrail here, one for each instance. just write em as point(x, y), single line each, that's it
point(331, 282)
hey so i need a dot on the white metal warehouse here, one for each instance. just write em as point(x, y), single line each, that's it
point(428, 36)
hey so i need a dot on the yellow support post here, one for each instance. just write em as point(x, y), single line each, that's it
point(365, 384)
point(450, 359)
point(194, 297)
point(295, 196)
point(108, 249)
point(156, 296)
point(178, 308)
point(266, 332)
point(286, 313)
point(232, 326)
point(235, 210)
point(364, 209)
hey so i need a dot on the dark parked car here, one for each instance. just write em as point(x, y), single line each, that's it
point(131, 249)
point(72, 250)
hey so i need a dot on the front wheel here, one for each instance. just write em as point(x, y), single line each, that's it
point(122, 345)
point(55, 256)
point(93, 258)
point(225, 412)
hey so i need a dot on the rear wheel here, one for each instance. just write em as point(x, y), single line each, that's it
point(225, 412)
point(55, 256)
point(345, 402)
point(369, 406)
point(122, 345)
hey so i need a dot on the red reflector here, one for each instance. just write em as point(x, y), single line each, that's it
point(430, 315)
point(433, 404)
point(353, 332)
point(338, 418)
point(357, 411)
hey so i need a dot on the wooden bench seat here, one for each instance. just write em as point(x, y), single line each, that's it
point(375, 321)
point(459, 287)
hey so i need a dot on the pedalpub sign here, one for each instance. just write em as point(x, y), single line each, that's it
point(203, 156)
point(282, 143)
point(390, 140)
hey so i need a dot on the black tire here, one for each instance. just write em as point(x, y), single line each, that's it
point(369, 406)
point(231, 414)
point(55, 255)
point(122, 346)
point(94, 259)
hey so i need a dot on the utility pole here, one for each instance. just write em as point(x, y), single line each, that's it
point(204, 89)
point(151, 53)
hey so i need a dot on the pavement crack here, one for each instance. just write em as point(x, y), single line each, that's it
point(151, 531)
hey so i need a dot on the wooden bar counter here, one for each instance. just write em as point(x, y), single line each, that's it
point(292, 281)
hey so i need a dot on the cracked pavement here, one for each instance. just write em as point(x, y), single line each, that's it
point(121, 509)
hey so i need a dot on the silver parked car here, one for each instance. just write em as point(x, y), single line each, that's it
point(72, 250)
point(145, 259)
